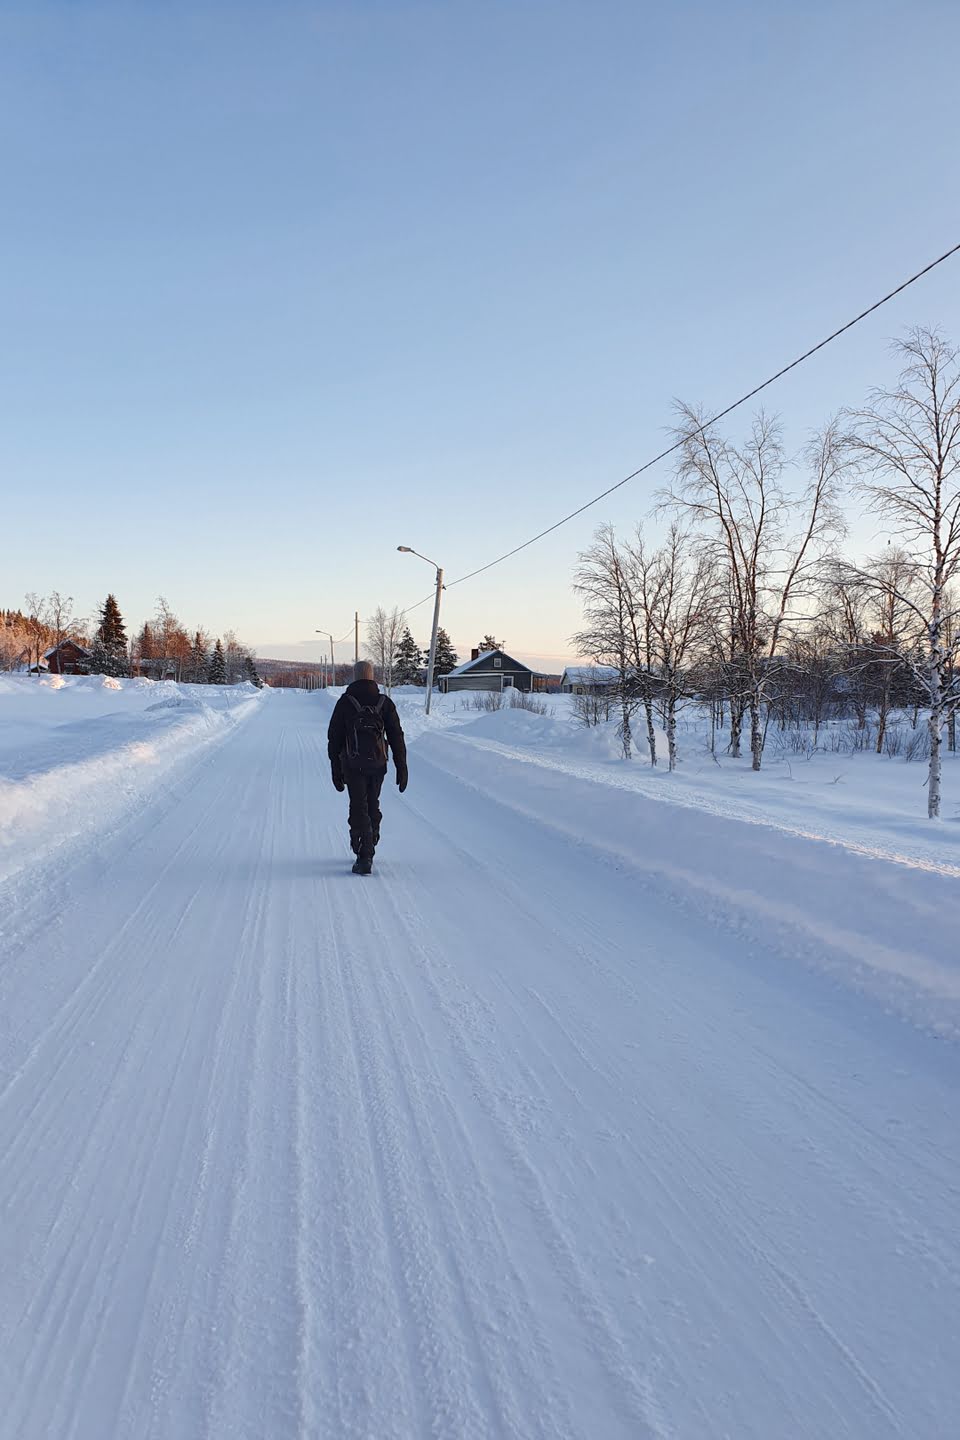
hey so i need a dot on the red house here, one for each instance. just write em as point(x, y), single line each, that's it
point(67, 658)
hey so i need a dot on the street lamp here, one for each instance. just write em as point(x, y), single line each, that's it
point(333, 663)
point(406, 550)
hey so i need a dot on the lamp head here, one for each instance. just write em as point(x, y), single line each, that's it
point(405, 549)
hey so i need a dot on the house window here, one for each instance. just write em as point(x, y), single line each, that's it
point(497, 663)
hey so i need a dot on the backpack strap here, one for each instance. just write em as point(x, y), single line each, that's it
point(377, 709)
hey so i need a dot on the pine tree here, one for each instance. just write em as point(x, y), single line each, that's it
point(408, 661)
point(250, 671)
point(111, 629)
point(446, 657)
point(100, 661)
point(146, 645)
point(217, 674)
point(110, 641)
point(199, 659)
point(489, 643)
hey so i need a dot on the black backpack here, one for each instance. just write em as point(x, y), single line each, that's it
point(366, 747)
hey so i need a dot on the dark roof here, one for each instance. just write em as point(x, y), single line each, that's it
point(74, 645)
point(485, 655)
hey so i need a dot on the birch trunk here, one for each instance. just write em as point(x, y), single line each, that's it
point(625, 732)
point(935, 684)
point(672, 733)
point(882, 719)
point(756, 731)
point(651, 731)
point(736, 726)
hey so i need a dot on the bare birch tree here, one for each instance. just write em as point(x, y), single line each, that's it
point(602, 582)
point(679, 603)
point(16, 642)
point(906, 442)
point(640, 569)
point(61, 617)
point(384, 629)
point(887, 652)
point(766, 544)
point(171, 641)
point(38, 625)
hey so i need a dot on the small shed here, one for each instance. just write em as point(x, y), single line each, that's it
point(492, 670)
point(67, 658)
point(158, 667)
point(589, 679)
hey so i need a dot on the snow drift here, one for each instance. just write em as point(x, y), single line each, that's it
point(76, 751)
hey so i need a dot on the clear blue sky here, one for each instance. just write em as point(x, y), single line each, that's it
point(285, 285)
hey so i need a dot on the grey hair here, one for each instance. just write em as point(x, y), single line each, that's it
point(363, 670)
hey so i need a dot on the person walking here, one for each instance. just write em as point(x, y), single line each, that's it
point(364, 726)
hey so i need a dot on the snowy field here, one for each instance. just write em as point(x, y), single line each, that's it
point(615, 1104)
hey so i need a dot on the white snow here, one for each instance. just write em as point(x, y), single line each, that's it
point(864, 802)
point(612, 1105)
point(76, 750)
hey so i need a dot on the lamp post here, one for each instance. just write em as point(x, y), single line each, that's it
point(406, 550)
point(333, 663)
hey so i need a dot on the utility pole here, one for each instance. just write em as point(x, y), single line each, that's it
point(433, 636)
point(356, 636)
point(408, 550)
point(333, 663)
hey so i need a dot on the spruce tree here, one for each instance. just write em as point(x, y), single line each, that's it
point(217, 674)
point(490, 642)
point(250, 671)
point(99, 663)
point(446, 657)
point(408, 661)
point(146, 644)
point(111, 629)
point(199, 660)
point(110, 641)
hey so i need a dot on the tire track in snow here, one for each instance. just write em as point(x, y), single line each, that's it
point(873, 1394)
point(608, 1347)
point(75, 1009)
point(258, 1338)
point(410, 1250)
point(478, 1242)
point(361, 1175)
point(142, 1047)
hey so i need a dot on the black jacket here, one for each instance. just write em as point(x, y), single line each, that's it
point(365, 692)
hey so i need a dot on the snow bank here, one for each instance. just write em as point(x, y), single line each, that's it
point(872, 804)
point(887, 930)
point(559, 731)
point(76, 751)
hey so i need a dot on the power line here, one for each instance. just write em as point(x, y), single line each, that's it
point(417, 603)
point(720, 415)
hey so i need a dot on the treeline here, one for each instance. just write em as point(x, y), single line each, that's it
point(750, 606)
point(162, 649)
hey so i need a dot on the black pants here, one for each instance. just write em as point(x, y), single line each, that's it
point(364, 792)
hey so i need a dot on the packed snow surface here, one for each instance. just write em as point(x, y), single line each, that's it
point(601, 1110)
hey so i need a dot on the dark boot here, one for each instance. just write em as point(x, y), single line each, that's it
point(363, 867)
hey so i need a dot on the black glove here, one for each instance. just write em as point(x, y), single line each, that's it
point(401, 778)
point(338, 780)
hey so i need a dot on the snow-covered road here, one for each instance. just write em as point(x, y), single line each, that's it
point(510, 1140)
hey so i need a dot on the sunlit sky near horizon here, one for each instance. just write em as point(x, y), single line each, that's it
point(283, 286)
